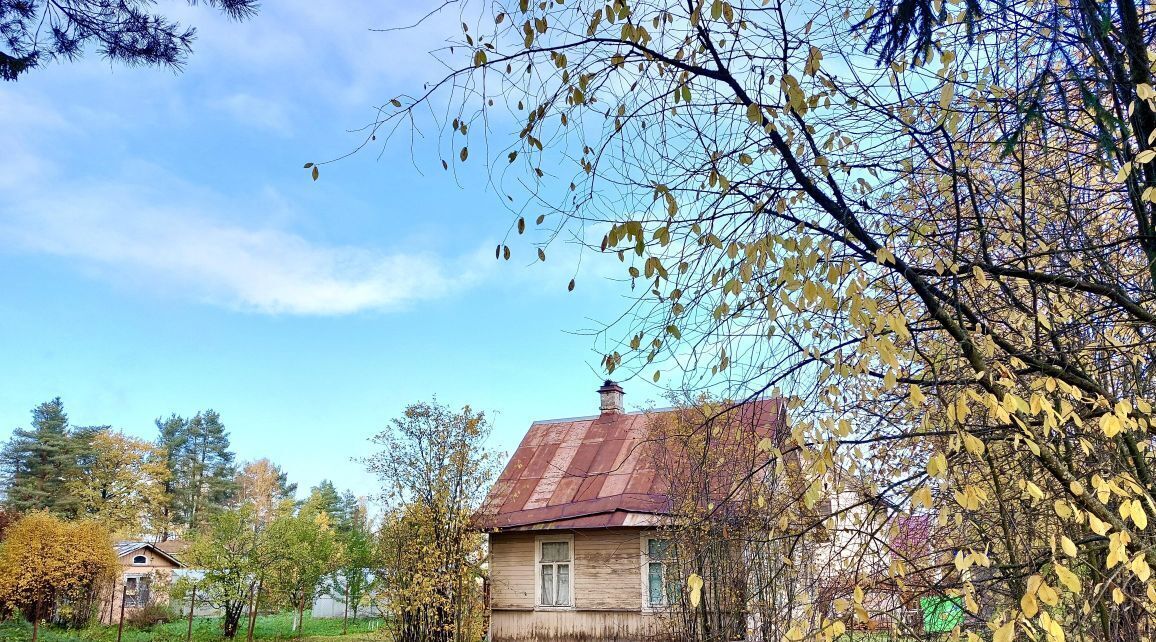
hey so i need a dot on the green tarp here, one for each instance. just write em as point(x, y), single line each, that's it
point(941, 614)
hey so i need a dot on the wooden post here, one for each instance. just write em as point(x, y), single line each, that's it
point(192, 605)
point(120, 625)
point(35, 620)
point(112, 601)
point(345, 619)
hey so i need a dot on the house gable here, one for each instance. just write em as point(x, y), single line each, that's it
point(144, 555)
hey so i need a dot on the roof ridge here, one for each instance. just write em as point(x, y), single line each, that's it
point(619, 414)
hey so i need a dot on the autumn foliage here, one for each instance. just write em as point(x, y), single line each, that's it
point(54, 569)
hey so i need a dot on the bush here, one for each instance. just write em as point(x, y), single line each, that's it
point(150, 615)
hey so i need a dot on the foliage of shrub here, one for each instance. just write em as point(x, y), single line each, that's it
point(150, 615)
point(53, 569)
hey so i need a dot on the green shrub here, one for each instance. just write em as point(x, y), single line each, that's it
point(150, 615)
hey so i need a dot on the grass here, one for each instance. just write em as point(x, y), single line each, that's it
point(268, 627)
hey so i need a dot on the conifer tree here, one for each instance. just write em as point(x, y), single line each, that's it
point(38, 463)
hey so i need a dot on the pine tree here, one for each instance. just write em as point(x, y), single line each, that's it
point(201, 467)
point(171, 442)
point(39, 463)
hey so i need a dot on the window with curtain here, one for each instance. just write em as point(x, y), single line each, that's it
point(660, 591)
point(554, 574)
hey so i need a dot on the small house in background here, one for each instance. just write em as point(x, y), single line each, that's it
point(146, 573)
point(575, 552)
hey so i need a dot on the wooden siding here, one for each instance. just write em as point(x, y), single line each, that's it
point(576, 626)
point(607, 569)
point(607, 572)
point(512, 570)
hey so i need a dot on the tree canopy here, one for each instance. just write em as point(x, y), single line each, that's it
point(434, 468)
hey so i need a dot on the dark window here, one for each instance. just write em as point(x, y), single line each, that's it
point(140, 559)
point(136, 591)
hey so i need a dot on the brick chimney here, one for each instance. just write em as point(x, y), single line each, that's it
point(611, 396)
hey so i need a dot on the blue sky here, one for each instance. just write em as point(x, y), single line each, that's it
point(162, 250)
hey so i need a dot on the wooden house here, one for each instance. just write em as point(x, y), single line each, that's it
point(573, 523)
point(146, 573)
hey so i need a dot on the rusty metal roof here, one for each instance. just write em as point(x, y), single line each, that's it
point(594, 472)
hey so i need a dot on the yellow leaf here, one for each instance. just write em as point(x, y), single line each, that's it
point(1029, 606)
point(1005, 633)
point(694, 583)
point(946, 94)
point(973, 444)
point(1098, 527)
point(813, 58)
point(1048, 595)
point(936, 465)
point(1145, 156)
point(1140, 568)
point(1139, 517)
point(1069, 579)
point(1068, 546)
point(916, 396)
point(754, 114)
point(1122, 175)
point(1034, 490)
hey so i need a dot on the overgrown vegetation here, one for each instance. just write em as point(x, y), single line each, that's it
point(435, 468)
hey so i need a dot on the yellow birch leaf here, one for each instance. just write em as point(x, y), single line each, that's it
point(1029, 605)
point(1067, 578)
point(694, 583)
point(946, 94)
point(1140, 567)
point(1068, 546)
point(1005, 633)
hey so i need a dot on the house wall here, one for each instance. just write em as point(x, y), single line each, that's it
point(607, 589)
point(156, 567)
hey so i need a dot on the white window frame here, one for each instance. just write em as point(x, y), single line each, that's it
point(538, 541)
point(644, 567)
point(141, 556)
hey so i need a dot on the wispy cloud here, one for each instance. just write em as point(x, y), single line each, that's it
point(160, 234)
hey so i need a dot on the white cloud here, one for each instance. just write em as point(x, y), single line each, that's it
point(163, 235)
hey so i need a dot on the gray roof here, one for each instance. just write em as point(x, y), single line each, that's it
point(125, 548)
